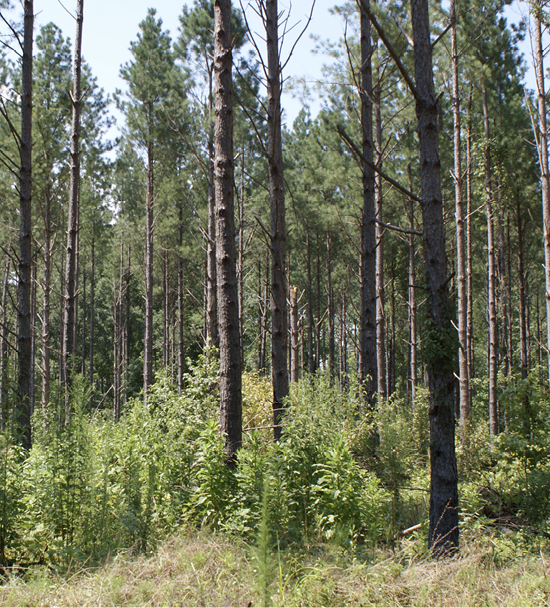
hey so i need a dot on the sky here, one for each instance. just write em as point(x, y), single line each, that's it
point(110, 26)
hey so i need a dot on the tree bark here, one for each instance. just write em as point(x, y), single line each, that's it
point(524, 363)
point(536, 8)
point(4, 415)
point(470, 271)
point(24, 338)
point(310, 359)
point(211, 320)
point(180, 301)
point(148, 339)
point(380, 314)
point(46, 297)
point(443, 528)
point(464, 382)
point(413, 348)
point(92, 324)
point(294, 362)
point(69, 312)
point(367, 336)
point(330, 312)
point(228, 306)
point(491, 279)
point(279, 290)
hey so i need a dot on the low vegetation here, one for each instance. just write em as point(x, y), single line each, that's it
point(145, 511)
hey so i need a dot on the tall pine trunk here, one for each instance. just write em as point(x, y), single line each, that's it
point(279, 314)
point(440, 354)
point(460, 238)
point(543, 160)
point(24, 339)
point(148, 339)
point(4, 351)
point(228, 306)
point(69, 312)
point(491, 279)
point(380, 314)
point(367, 336)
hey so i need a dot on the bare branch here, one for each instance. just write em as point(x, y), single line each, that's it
point(354, 148)
point(398, 228)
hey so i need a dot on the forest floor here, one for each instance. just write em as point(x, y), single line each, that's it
point(204, 569)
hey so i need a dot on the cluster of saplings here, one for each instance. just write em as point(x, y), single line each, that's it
point(90, 486)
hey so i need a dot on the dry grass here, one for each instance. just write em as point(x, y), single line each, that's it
point(208, 570)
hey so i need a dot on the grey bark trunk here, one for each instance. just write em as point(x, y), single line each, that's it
point(464, 382)
point(228, 306)
point(524, 363)
point(470, 302)
point(368, 353)
point(413, 348)
point(330, 312)
point(279, 290)
point(294, 362)
point(310, 359)
point(148, 338)
point(24, 339)
point(92, 324)
point(443, 527)
point(4, 352)
point(180, 301)
point(46, 297)
point(211, 320)
point(491, 279)
point(69, 313)
point(380, 314)
point(543, 161)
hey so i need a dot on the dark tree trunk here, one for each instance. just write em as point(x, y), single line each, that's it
point(180, 301)
point(380, 314)
point(443, 529)
point(228, 306)
point(46, 298)
point(92, 324)
point(33, 341)
point(148, 339)
point(491, 284)
point(330, 313)
point(69, 311)
point(240, 263)
point(211, 286)
point(470, 272)
point(279, 290)
point(460, 239)
point(413, 347)
point(24, 339)
point(367, 271)
point(4, 352)
point(166, 312)
point(310, 359)
point(294, 362)
point(524, 363)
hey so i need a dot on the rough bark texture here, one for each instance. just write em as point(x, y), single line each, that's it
point(439, 347)
point(294, 363)
point(47, 290)
point(470, 302)
point(180, 301)
point(310, 359)
point(380, 315)
point(24, 338)
point(211, 317)
point(68, 350)
point(148, 338)
point(413, 348)
point(524, 363)
point(330, 311)
point(460, 238)
point(491, 279)
point(92, 324)
point(4, 352)
point(279, 314)
point(543, 160)
point(367, 271)
point(228, 308)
